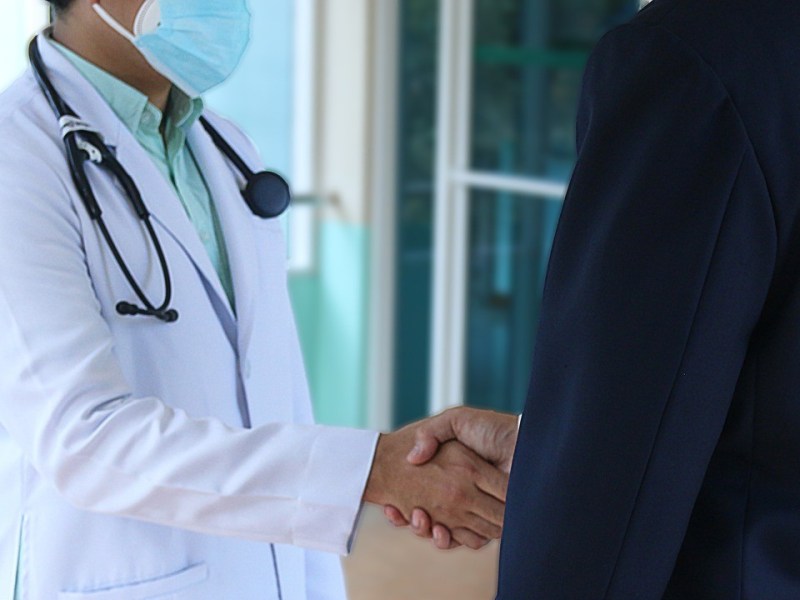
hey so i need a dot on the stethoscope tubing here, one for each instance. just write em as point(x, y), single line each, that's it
point(266, 193)
point(77, 158)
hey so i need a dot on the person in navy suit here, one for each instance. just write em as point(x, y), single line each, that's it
point(659, 451)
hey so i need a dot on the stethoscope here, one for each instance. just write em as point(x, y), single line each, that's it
point(266, 193)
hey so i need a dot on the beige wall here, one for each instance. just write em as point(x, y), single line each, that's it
point(344, 105)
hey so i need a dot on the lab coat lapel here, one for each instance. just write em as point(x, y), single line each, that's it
point(168, 211)
point(161, 199)
point(237, 228)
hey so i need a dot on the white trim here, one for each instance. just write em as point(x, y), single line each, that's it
point(383, 215)
point(506, 183)
point(113, 23)
point(452, 205)
point(304, 156)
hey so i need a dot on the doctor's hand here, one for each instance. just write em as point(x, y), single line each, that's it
point(492, 435)
point(456, 488)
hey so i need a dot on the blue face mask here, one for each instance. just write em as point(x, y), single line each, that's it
point(196, 44)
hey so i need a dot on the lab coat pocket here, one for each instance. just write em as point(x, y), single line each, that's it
point(145, 590)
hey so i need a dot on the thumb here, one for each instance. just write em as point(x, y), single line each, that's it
point(424, 449)
point(429, 436)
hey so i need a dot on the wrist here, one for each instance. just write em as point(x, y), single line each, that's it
point(374, 492)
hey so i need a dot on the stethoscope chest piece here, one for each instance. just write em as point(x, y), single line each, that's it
point(267, 194)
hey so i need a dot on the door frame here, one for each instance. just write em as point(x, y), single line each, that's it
point(383, 172)
point(455, 180)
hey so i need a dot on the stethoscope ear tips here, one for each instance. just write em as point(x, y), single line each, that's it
point(126, 309)
point(170, 316)
point(267, 194)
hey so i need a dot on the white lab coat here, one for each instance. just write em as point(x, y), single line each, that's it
point(126, 467)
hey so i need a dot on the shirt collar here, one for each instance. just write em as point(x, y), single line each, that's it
point(131, 106)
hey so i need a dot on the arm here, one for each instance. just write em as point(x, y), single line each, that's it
point(660, 269)
point(66, 402)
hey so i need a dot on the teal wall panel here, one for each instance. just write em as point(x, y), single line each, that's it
point(332, 312)
point(305, 293)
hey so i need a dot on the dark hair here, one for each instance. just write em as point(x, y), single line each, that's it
point(60, 5)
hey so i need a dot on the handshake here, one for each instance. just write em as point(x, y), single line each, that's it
point(446, 476)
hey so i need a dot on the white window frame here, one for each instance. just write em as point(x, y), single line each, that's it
point(383, 212)
point(305, 116)
point(454, 182)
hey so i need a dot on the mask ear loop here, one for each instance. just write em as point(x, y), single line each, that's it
point(112, 22)
point(149, 18)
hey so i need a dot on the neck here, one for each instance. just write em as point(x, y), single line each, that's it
point(83, 32)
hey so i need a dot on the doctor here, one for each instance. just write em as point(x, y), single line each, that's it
point(168, 450)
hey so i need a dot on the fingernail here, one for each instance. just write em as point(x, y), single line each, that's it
point(415, 521)
point(415, 451)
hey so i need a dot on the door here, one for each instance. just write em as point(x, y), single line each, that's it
point(507, 86)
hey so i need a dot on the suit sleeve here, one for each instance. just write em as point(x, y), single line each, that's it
point(65, 401)
point(660, 267)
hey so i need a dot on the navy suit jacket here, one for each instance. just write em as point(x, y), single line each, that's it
point(659, 452)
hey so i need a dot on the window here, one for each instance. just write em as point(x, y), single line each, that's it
point(506, 75)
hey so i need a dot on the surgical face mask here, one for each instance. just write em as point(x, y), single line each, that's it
point(196, 44)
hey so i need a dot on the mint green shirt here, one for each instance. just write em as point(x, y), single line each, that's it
point(169, 151)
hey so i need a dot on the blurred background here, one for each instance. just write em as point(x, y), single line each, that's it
point(429, 143)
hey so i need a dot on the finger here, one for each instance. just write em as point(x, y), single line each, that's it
point(394, 516)
point(468, 538)
point(443, 539)
point(421, 524)
point(486, 516)
point(489, 509)
point(482, 527)
point(492, 480)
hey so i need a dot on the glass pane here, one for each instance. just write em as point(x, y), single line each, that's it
point(529, 59)
point(418, 71)
point(510, 239)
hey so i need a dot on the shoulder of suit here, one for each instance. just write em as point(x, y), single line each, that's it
point(729, 35)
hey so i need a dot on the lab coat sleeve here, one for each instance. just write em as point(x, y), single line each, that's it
point(65, 401)
point(661, 265)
